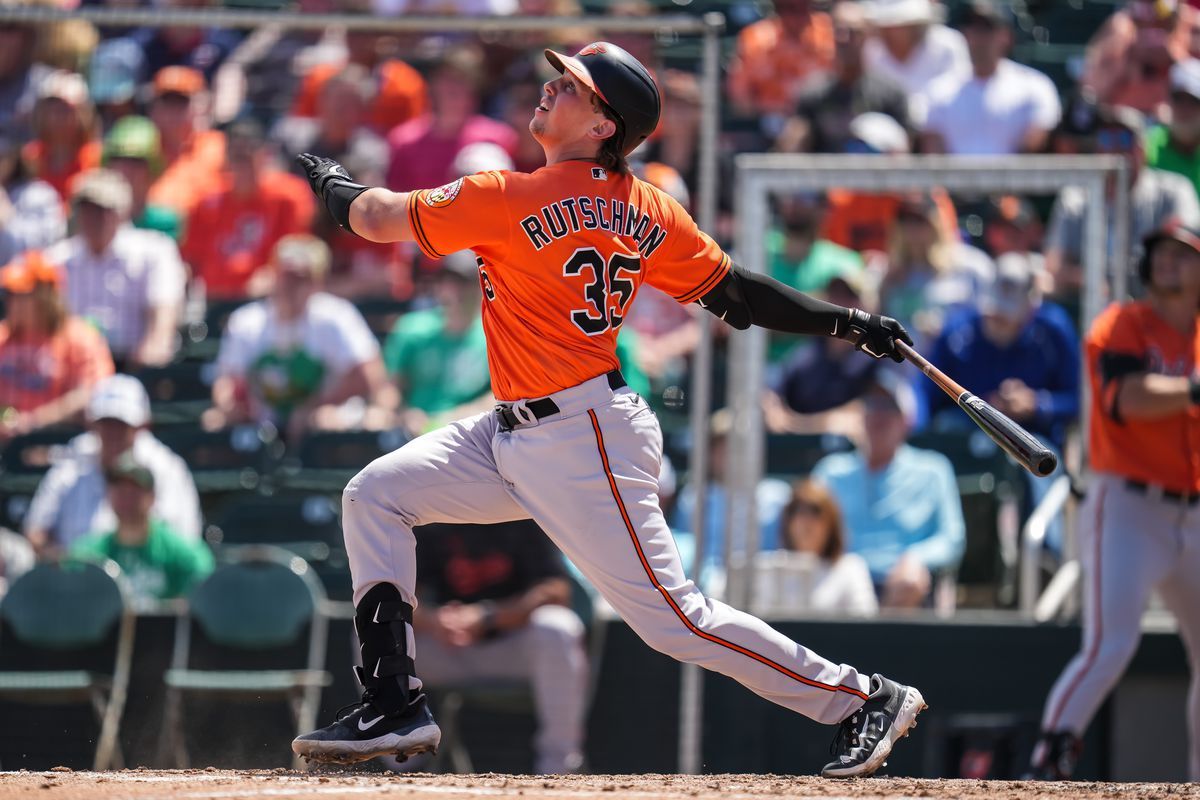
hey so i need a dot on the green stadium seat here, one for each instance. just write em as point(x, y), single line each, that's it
point(326, 460)
point(225, 460)
point(179, 392)
point(25, 459)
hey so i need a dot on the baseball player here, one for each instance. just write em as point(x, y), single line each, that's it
point(1140, 523)
point(561, 254)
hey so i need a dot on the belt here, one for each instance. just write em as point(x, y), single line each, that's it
point(1153, 490)
point(544, 406)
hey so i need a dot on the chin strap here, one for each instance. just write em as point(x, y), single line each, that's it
point(383, 622)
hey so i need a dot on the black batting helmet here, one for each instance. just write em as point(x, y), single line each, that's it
point(621, 82)
point(1172, 230)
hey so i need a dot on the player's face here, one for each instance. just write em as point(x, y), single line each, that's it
point(565, 112)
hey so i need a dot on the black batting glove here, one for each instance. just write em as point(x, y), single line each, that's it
point(332, 184)
point(874, 335)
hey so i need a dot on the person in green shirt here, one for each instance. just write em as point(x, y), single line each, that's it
point(132, 148)
point(159, 563)
point(437, 357)
point(796, 256)
point(1176, 147)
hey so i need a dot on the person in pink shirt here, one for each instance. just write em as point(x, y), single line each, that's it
point(422, 150)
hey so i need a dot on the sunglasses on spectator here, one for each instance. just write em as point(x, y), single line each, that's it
point(808, 509)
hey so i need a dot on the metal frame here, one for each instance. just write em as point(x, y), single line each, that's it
point(760, 174)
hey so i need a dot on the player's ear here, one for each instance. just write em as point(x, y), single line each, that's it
point(603, 129)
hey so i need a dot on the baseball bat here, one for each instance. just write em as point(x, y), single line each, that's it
point(1012, 438)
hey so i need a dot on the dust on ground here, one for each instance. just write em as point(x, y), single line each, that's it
point(212, 784)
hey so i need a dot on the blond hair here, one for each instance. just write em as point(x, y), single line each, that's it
point(305, 249)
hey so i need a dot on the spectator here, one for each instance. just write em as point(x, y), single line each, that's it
point(1001, 107)
point(31, 212)
point(49, 360)
point(438, 357)
point(770, 497)
point(818, 379)
point(812, 570)
point(159, 563)
point(132, 150)
point(927, 272)
point(903, 513)
point(912, 47)
point(70, 501)
point(1129, 58)
point(677, 146)
point(232, 231)
point(189, 46)
point(861, 221)
point(16, 558)
point(399, 93)
point(1011, 225)
point(20, 75)
point(1018, 353)
point(1175, 147)
point(1155, 197)
point(422, 151)
point(494, 604)
point(192, 153)
point(128, 282)
point(299, 356)
point(64, 131)
point(113, 74)
point(515, 100)
point(822, 120)
point(776, 56)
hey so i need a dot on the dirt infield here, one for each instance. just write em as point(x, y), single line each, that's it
point(63, 784)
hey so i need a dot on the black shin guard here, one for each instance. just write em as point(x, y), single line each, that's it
point(383, 622)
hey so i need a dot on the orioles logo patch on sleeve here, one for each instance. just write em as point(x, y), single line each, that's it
point(443, 195)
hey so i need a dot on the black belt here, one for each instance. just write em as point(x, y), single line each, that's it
point(544, 406)
point(1187, 498)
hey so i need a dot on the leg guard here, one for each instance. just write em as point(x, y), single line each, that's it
point(383, 622)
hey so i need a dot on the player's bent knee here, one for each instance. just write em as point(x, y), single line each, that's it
point(556, 625)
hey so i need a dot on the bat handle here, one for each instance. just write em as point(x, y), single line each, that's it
point(947, 384)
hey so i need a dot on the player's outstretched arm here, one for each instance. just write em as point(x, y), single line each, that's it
point(745, 298)
point(375, 214)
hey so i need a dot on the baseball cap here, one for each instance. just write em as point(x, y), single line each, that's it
point(1174, 230)
point(127, 468)
point(178, 80)
point(26, 271)
point(134, 137)
point(1185, 77)
point(66, 86)
point(894, 13)
point(120, 397)
point(104, 188)
point(984, 14)
point(892, 386)
point(1013, 290)
point(114, 70)
point(881, 133)
point(1119, 117)
point(481, 157)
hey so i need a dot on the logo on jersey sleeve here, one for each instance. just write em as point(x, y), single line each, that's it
point(443, 195)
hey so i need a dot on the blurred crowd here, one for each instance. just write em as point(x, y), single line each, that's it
point(147, 193)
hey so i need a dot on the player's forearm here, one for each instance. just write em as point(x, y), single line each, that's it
point(1150, 396)
point(380, 215)
point(746, 298)
point(515, 612)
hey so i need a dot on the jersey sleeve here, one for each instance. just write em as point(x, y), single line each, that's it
point(1115, 349)
point(469, 212)
point(691, 263)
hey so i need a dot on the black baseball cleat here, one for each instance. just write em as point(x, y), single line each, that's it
point(865, 738)
point(363, 733)
point(1054, 757)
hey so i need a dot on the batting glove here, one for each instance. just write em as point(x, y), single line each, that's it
point(332, 184)
point(875, 335)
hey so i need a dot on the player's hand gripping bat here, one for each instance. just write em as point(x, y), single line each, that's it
point(1015, 440)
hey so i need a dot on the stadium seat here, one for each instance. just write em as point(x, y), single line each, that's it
point(25, 459)
point(67, 638)
point(202, 340)
point(230, 459)
point(795, 454)
point(381, 313)
point(179, 392)
point(262, 611)
point(327, 460)
point(305, 523)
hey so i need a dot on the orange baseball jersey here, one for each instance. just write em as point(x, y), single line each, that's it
point(562, 252)
point(1127, 339)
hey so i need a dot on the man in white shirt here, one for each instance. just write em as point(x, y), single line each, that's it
point(72, 500)
point(912, 48)
point(1002, 107)
point(127, 281)
point(300, 356)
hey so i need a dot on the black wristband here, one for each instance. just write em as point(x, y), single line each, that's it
point(338, 196)
point(1194, 390)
